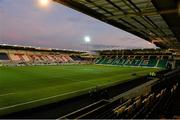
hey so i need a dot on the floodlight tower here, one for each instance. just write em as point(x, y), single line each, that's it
point(87, 40)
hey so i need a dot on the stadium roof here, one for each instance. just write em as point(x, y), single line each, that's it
point(157, 21)
point(18, 47)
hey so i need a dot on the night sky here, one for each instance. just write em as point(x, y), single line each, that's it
point(25, 22)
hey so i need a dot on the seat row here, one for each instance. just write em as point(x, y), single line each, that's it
point(35, 58)
point(149, 61)
point(143, 106)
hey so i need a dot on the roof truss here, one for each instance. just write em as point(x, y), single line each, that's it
point(144, 18)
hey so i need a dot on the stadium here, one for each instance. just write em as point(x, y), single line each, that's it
point(49, 83)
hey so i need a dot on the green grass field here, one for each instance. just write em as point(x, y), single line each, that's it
point(32, 86)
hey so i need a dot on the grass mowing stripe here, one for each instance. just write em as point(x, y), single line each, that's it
point(56, 95)
point(42, 99)
point(40, 85)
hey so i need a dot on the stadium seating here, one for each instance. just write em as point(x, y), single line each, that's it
point(163, 62)
point(148, 61)
point(30, 57)
point(19, 58)
point(137, 60)
point(3, 56)
point(33, 58)
point(116, 60)
point(152, 61)
point(76, 58)
point(177, 63)
point(22, 57)
point(99, 60)
point(104, 60)
point(144, 106)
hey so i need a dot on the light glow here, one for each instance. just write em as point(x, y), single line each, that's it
point(44, 3)
point(87, 39)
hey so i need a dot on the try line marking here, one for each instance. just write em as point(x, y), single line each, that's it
point(20, 104)
point(25, 103)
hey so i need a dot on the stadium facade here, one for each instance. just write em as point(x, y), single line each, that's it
point(111, 84)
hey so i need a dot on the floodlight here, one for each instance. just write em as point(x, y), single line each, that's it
point(87, 39)
point(44, 3)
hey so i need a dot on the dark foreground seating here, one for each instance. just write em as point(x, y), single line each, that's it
point(4, 56)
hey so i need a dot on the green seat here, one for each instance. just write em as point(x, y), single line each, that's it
point(162, 63)
point(152, 61)
point(177, 64)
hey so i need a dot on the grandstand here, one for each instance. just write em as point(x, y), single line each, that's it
point(148, 61)
point(110, 84)
point(102, 90)
point(24, 56)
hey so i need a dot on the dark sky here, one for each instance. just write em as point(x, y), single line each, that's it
point(24, 22)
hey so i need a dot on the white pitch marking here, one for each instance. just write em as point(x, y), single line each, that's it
point(6, 94)
point(3, 108)
point(25, 103)
point(20, 104)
